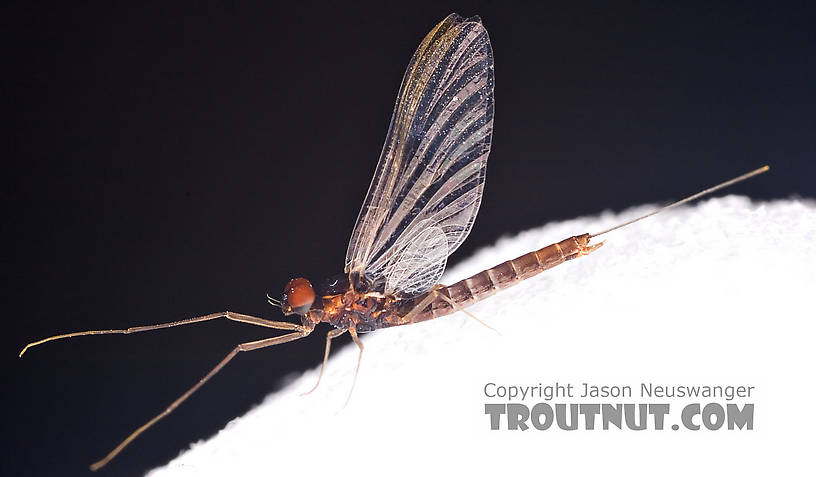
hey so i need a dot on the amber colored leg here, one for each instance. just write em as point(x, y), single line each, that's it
point(459, 308)
point(331, 335)
point(430, 299)
point(359, 344)
point(250, 346)
point(253, 320)
point(408, 318)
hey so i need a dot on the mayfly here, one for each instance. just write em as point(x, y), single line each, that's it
point(420, 207)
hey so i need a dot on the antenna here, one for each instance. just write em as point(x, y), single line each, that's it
point(717, 187)
point(273, 301)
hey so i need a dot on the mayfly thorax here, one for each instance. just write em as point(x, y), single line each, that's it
point(419, 208)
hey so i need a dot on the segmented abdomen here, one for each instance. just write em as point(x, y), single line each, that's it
point(487, 282)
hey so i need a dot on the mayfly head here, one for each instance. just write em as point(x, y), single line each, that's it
point(298, 296)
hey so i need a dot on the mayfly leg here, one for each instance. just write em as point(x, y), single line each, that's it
point(253, 320)
point(437, 293)
point(299, 332)
point(359, 344)
point(329, 336)
point(249, 346)
point(456, 307)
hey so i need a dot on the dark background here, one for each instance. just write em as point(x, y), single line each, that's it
point(166, 162)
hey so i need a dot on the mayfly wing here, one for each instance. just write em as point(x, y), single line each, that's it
point(428, 185)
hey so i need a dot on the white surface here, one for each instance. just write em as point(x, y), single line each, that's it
point(718, 293)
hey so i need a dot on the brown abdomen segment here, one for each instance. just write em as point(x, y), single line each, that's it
point(485, 283)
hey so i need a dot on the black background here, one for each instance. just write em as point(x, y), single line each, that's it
point(172, 161)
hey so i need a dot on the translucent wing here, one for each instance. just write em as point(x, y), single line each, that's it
point(419, 259)
point(428, 184)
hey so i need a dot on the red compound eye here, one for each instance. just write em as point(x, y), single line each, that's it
point(299, 294)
